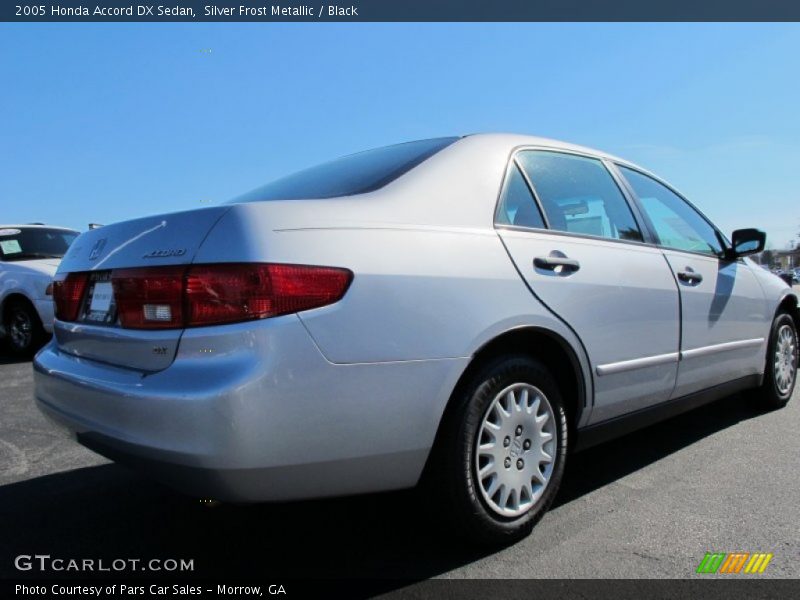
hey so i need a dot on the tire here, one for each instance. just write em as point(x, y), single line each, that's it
point(24, 331)
point(780, 375)
point(475, 502)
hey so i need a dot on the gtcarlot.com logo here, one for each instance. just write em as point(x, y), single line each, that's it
point(45, 562)
point(734, 562)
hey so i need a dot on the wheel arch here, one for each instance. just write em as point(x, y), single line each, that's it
point(540, 343)
point(789, 303)
point(9, 299)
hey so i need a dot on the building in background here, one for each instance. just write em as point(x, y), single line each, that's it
point(779, 259)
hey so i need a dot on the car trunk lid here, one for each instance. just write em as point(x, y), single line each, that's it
point(159, 241)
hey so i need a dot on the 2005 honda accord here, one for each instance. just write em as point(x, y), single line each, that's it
point(457, 311)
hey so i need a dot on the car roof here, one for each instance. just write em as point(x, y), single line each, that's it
point(514, 140)
point(457, 187)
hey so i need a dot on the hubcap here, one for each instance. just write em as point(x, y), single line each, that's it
point(20, 329)
point(515, 449)
point(785, 359)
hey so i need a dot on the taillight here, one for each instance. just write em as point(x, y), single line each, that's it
point(173, 297)
point(226, 293)
point(149, 298)
point(67, 294)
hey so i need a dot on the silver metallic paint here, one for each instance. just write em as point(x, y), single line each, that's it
point(348, 398)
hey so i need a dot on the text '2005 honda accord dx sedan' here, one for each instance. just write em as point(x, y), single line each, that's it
point(460, 312)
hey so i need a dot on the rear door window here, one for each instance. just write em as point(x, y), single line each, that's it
point(579, 195)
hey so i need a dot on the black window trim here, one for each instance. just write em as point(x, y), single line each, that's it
point(629, 200)
point(641, 218)
point(723, 241)
point(515, 164)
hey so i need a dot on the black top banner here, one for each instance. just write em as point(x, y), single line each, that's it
point(403, 10)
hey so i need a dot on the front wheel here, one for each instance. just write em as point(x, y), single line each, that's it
point(502, 453)
point(781, 370)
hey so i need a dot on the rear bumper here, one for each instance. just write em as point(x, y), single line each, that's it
point(254, 412)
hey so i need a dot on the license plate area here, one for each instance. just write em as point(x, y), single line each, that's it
point(99, 307)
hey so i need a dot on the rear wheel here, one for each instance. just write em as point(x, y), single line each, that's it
point(781, 371)
point(23, 327)
point(501, 455)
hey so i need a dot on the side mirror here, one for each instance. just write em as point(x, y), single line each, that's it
point(746, 242)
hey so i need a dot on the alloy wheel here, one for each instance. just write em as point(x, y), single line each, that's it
point(785, 363)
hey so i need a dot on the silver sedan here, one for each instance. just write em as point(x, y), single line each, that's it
point(456, 312)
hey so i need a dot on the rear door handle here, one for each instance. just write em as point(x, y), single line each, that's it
point(689, 276)
point(551, 263)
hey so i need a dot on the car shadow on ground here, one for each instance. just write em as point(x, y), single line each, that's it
point(603, 464)
point(108, 511)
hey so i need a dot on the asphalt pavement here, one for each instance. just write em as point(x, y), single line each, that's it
point(723, 478)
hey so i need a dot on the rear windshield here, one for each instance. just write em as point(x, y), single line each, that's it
point(29, 243)
point(353, 174)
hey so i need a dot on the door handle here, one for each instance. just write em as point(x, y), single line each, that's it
point(551, 263)
point(689, 276)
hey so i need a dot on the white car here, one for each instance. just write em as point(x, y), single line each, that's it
point(29, 257)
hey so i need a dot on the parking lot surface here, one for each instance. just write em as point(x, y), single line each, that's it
point(723, 478)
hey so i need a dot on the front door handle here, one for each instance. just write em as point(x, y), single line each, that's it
point(689, 276)
point(551, 263)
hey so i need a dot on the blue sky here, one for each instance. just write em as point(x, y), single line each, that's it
point(104, 122)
